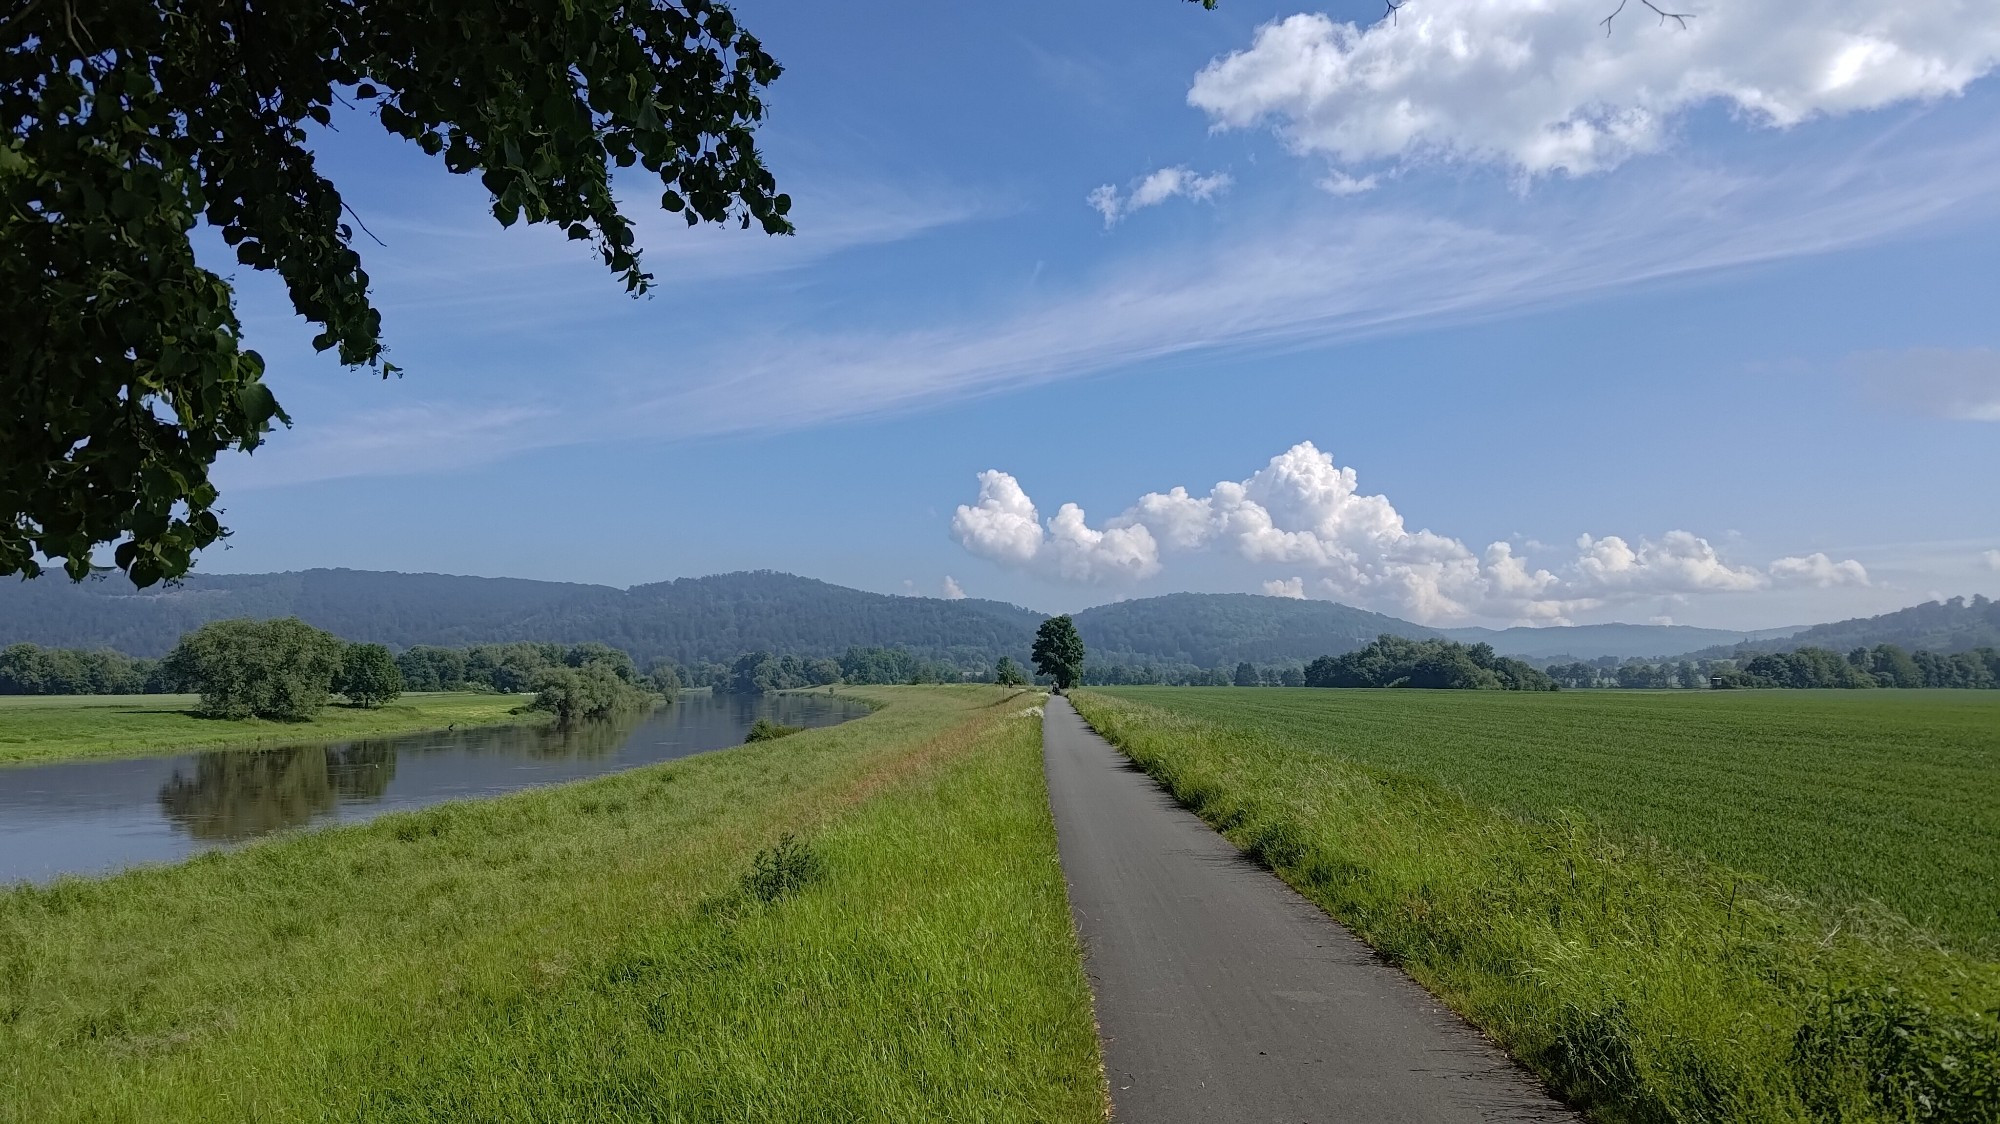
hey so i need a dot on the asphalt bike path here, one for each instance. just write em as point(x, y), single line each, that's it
point(1224, 996)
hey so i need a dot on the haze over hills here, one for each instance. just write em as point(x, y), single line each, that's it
point(1591, 641)
point(719, 617)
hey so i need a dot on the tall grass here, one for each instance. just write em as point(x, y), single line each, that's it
point(1643, 980)
point(596, 951)
point(35, 728)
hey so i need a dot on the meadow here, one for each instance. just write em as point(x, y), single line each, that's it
point(1700, 906)
point(37, 728)
point(865, 921)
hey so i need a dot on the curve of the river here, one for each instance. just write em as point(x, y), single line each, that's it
point(97, 817)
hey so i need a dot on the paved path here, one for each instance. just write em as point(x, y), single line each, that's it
point(1224, 996)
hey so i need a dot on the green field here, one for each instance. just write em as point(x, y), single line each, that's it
point(55, 727)
point(1745, 905)
point(590, 951)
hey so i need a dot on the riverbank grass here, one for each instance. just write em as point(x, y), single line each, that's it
point(861, 922)
point(1673, 908)
point(38, 728)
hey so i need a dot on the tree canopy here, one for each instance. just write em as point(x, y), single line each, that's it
point(282, 669)
point(1058, 651)
point(1392, 661)
point(130, 122)
point(368, 675)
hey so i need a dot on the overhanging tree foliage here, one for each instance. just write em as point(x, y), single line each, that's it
point(128, 122)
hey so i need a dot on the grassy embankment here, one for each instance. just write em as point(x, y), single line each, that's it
point(1743, 906)
point(57, 727)
point(593, 951)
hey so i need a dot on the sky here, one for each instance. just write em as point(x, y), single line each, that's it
point(1485, 313)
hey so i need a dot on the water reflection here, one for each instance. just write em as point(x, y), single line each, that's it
point(233, 796)
point(89, 817)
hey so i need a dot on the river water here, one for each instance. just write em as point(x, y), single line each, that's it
point(95, 817)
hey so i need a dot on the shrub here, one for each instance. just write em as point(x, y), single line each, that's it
point(765, 730)
point(783, 869)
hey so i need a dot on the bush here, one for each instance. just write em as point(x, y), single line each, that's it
point(782, 870)
point(277, 669)
point(369, 676)
point(765, 730)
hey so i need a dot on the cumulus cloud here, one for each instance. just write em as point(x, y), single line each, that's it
point(1818, 571)
point(952, 590)
point(1992, 558)
point(1286, 587)
point(1005, 527)
point(1963, 385)
point(1303, 510)
point(1542, 88)
point(1154, 189)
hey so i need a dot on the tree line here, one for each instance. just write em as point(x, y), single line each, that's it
point(29, 669)
point(1394, 661)
point(1809, 667)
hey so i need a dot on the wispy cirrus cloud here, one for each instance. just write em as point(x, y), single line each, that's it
point(1346, 272)
point(1368, 265)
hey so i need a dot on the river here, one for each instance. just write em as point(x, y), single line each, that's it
point(100, 816)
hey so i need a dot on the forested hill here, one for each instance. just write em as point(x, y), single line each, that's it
point(1957, 625)
point(1222, 629)
point(710, 618)
point(359, 605)
point(720, 617)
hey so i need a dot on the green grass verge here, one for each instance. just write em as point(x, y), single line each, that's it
point(1546, 864)
point(35, 728)
point(593, 951)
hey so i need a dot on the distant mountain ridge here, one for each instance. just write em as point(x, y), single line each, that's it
point(1592, 641)
point(1952, 625)
point(719, 617)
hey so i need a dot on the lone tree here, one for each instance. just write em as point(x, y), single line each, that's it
point(1007, 673)
point(125, 123)
point(1059, 651)
point(369, 676)
point(279, 669)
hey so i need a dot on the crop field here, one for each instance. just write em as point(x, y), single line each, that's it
point(1842, 796)
point(57, 727)
point(1739, 905)
point(862, 922)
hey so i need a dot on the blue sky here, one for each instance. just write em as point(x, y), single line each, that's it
point(1722, 298)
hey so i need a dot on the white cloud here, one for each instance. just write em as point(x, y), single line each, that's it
point(1328, 277)
point(952, 590)
point(1341, 184)
point(1303, 510)
point(1540, 87)
point(1992, 558)
point(1818, 571)
point(1286, 587)
point(1154, 189)
point(1005, 527)
point(1963, 385)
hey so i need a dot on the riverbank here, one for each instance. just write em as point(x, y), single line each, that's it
point(629, 947)
point(40, 728)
